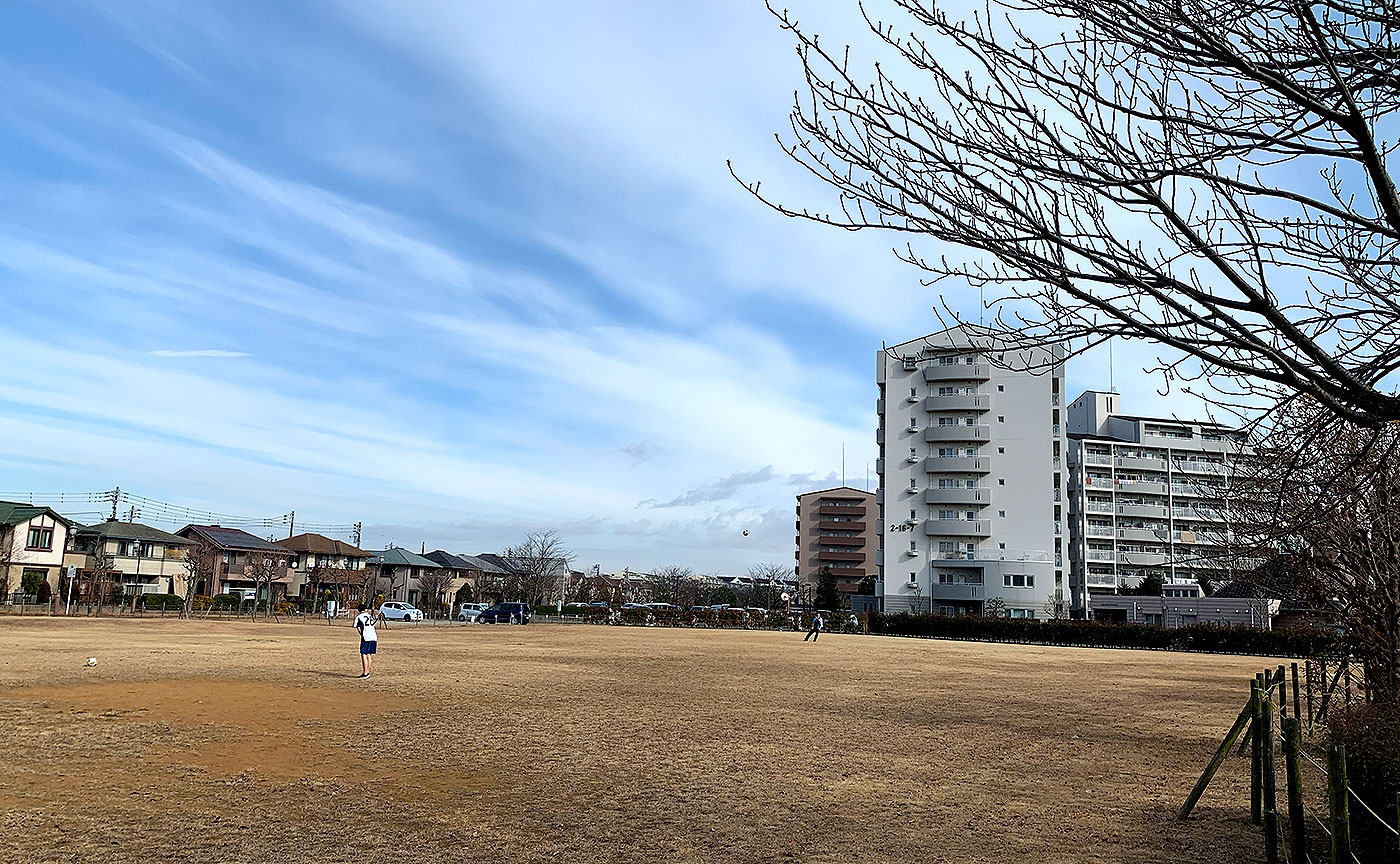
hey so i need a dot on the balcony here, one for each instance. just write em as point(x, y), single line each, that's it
point(1142, 559)
point(1141, 463)
point(880, 435)
point(960, 464)
point(1206, 514)
point(824, 555)
point(1099, 555)
point(980, 495)
point(879, 406)
point(1141, 487)
point(1148, 535)
point(958, 403)
point(840, 541)
point(940, 434)
point(880, 465)
point(1096, 531)
point(824, 525)
point(957, 528)
point(957, 372)
point(1144, 511)
point(1097, 459)
point(1197, 490)
point(1098, 506)
point(955, 592)
point(841, 510)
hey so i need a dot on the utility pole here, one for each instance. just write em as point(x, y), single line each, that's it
point(357, 533)
point(292, 525)
point(116, 494)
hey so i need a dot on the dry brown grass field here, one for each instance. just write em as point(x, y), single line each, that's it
point(221, 741)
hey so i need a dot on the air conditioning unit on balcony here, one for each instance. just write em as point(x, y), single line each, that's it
point(911, 522)
point(909, 363)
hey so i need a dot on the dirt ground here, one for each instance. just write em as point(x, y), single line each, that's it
point(229, 741)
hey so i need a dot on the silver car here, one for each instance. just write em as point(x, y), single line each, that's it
point(396, 610)
point(470, 612)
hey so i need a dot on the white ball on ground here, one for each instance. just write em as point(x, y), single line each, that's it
point(92, 661)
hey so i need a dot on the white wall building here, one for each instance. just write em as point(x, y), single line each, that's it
point(1147, 496)
point(971, 483)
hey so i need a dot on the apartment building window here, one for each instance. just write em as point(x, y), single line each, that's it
point(971, 515)
point(947, 391)
point(1001, 513)
point(969, 451)
point(1021, 613)
point(1017, 580)
point(913, 546)
point(913, 392)
point(946, 515)
point(1001, 449)
point(1001, 482)
point(947, 452)
point(40, 538)
point(1001, 388)
point(947, 360)
point(1001, 418)
point(948, 546)
point(913, 515)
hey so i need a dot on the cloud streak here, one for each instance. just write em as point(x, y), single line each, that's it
point(719, 490)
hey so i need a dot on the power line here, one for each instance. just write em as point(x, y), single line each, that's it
point(153, 510)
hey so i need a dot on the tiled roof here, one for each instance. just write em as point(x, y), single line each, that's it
point(397, 557)
point(14, 512)
point(232, 538)
point(321, 545)
point(447, 559)
point(118, 530)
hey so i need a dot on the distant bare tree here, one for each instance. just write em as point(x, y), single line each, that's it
point(199, 562)
point(1324, 497)
point(1212, 176)
point(8, 558)
point(667, 583)
point(265, 569)
point(769, 581)
point(99, 581)
point(540, 563)
point(433, 585)
point(1056, 608)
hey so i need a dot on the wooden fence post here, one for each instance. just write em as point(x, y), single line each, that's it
point(1337, 804)
point(1241, 722)
point(1256, 760)
point(1292, 767)
point(1282, 680)
point(1308, 679)
point(1269, 776)
point(1297, 703)
point(1322, 696)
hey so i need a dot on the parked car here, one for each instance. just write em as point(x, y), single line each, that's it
point(506, 613)
point(470, 611)
point(668, 606)
point(576, 608)
point(395, 610)
point(599, 604)
point(635, 606)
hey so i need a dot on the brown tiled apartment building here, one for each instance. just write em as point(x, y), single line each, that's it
point(836, 528)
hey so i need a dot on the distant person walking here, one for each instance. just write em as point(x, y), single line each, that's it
point(369, 639)
point(816, 628)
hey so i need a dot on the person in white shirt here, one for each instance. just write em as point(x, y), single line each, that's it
point(369, 639)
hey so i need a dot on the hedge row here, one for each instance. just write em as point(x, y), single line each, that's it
point(155, 602)
point(1301, 642)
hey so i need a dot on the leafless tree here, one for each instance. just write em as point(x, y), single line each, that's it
point(265, 569)
point(99, 581)
point(668, 583)
point(1056, 608)
point(433, 585)
point(1323, 499)
point(1212, 176)
point(8, 558)
point(538, 564)
point(769, 581)
point(199, 562)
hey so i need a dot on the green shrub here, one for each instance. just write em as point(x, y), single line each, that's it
point(1371, 734)
point(156, 602)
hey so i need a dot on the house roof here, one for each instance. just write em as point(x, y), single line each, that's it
point(478, 562)
point(15, 512)
point(321, 545)
point(116, 529)
point(855, 493)
point(232, 538)
point(447, 559)
point(397, 557)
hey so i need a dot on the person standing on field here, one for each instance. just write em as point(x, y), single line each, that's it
point(816, 628)
point(369, 639)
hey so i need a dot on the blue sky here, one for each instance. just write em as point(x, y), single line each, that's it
point(456, 270)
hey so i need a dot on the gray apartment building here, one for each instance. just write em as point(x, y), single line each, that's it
point(836, 529)
point(1147, 495)
point(972, 485)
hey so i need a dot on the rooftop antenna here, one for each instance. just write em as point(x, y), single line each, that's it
point(1111, 388)
point(843, 463)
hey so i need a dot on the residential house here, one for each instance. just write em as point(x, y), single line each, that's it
point(238, 552)
point(133, 558)
point(398, 570)
point(326, 569)
point(32, 540)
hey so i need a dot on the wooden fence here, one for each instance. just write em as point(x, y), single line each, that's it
point(1267, 728)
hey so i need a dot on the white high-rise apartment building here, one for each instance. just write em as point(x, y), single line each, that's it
point(1147, 496)
point(971, 482)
